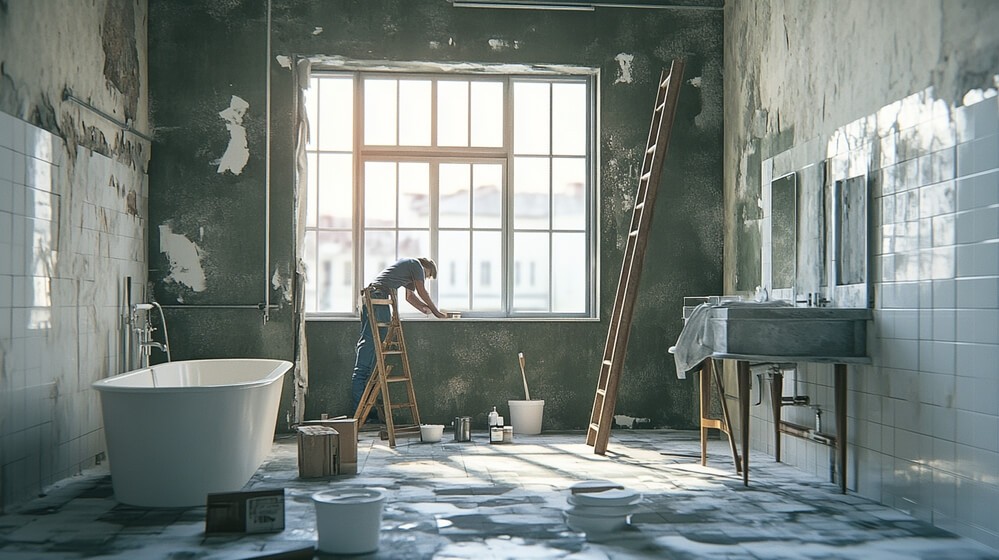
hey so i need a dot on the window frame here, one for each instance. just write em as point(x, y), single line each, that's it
point(503, 155)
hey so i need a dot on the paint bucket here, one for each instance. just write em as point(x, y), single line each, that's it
point(349, 519)
point(431, 433)
point(525, 416)
point(462, 428)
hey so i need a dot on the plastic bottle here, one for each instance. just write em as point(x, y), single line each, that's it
point(494, 418)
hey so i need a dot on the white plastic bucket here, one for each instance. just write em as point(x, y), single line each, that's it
point(349, 519)
point(431, 433)
point(525, 416)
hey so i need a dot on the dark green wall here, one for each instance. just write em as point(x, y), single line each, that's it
point(202, 52)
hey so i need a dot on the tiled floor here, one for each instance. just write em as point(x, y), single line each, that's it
point(483, 501)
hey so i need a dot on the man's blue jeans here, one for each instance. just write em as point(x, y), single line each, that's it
point(365, 361)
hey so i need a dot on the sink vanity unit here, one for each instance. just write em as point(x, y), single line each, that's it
point(772, 333)
point(813, 303)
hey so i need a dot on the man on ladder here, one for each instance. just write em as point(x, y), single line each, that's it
point(410, 274)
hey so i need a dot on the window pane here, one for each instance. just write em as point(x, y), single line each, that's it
point(530, 253)
point(379, 112)
point(312, 190)
point(311, 269)
point(414, 113)
point(336, 114)
point(487, 250)
point(413, 243)
point(487, 114)
point(335, 291)
point(530, 193)
point(312, 110)
point(569, 119)
point(452, 113)
point(379, 194)
point(336, 175)
point(569, 193)
point(379, 252)
point(569, 272)
point(452, 270)
point(414, 195)
point(454, 193)
point(531, 119)
point(487, 182)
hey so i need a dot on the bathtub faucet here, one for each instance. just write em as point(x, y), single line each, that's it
point(145, 330)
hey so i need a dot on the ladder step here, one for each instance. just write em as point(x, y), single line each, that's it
point(634, 233)
point(640, 205)
point(392, 352)
point(403, 405)
point(650, 149)
point(595, 426)
point(601, 392)
point(397, 379)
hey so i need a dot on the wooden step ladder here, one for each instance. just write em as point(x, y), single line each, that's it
point(390, 346)
point(601, 419)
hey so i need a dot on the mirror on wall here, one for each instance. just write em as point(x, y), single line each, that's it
point(783, 215)
point(851, 231)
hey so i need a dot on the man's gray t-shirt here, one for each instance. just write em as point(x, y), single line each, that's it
point(402, 274)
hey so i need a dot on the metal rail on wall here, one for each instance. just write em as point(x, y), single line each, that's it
point(67, 95)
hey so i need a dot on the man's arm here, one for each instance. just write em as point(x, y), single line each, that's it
point(422, 301)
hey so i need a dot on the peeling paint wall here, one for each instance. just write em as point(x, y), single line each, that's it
point(466, 368)
point(73, 191)
point(884, 89)
point(460, 367)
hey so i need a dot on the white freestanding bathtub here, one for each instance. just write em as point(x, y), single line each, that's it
point(178, 431)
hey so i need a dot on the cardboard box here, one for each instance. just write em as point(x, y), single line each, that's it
point(318, 451)
point(347, 428)
point(259, 511)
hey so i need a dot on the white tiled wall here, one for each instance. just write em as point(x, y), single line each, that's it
point(68, 239)
point(923, 420)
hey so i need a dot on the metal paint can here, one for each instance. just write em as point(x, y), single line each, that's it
point(507, 434)
point(496, 434)
point(462, 428)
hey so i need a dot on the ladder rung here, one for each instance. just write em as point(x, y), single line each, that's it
point(651, 149)
point(396, 379)
point(645, 177)
point(605, 363)
point(633, 233)
point(660, 106)
point(640, 205)
point(601, 392)
point(403, 405)
point(391, 352)
point(594, 426)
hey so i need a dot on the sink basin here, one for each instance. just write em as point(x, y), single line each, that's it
point(823, 334)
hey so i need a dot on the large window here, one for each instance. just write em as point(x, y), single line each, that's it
point(490, 175)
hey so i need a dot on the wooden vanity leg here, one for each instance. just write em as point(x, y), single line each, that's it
point(839, 372)
point(744, 387)
point(776, 399)
point(705, 390)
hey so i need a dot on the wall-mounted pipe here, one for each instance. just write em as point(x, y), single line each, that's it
point(256, 306)
point(67, 95)
point(267, 175)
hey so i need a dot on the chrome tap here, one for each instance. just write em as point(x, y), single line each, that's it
point(145, 330)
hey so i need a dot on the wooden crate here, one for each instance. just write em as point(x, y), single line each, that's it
point(318, 451)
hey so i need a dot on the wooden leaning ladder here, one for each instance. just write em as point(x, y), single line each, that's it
point(391, 347)
point(601, 419)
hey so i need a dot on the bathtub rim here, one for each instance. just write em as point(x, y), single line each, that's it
point(109, 385)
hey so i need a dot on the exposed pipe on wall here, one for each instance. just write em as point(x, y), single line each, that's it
point(67, 95)
point(267, 175)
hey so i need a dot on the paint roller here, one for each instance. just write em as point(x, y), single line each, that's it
point(527, 393)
